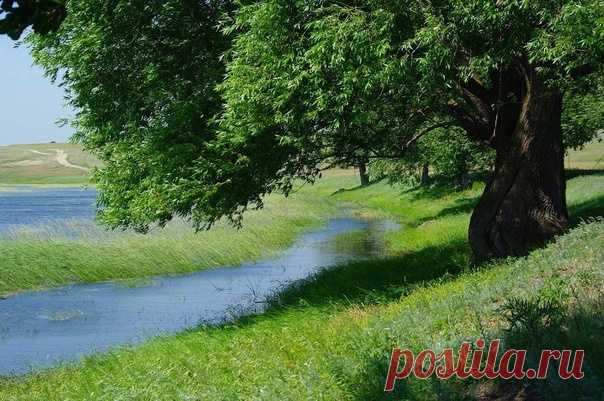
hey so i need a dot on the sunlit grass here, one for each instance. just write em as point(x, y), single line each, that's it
point(35, 164)
point(52, 254)
point(329, 337)
point(591, 157)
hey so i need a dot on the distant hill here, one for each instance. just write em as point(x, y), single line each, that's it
point(54, 163)
point(589, 158)
point(68, 164)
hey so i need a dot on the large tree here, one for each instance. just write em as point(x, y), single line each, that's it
point(308, 82)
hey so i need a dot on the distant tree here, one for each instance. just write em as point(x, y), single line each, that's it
point(363, 173)
point(360, 163)
point(445, 154)
point(310, 82)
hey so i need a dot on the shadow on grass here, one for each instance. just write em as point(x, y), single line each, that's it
point(533, 324)
point(391, 278)
point(591, 208)
point(583, 211)
point(574, 173)
point(465, 205)
point(380, 280)
point(572, 326)
point(363, 278)
point(357, 188)
point(388, 280)
point(559, 329)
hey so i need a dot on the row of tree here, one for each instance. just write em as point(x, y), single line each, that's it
point(200, 108)
point(444, 156)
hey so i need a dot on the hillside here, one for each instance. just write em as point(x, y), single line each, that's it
point(589, 158)
point(68, 164)
point(55, 163)
point(330, 337)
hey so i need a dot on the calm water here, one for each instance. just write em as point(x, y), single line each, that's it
point(42, 329)
point(32, 206)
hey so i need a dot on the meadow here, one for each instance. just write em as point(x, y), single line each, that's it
point(590, 157)
point(201, 108)
point(330, 337)
point(37, 164)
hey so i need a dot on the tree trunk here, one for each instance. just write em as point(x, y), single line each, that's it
point(464, 180)
point(364, 175)
point(425, 178)
point(524, 204)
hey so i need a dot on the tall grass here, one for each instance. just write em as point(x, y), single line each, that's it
point(330, 337)
point(57, 253)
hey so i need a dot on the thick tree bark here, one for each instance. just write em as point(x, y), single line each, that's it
point(465, 181)
point(425, 177)
point(524, 205)
point(363, 174)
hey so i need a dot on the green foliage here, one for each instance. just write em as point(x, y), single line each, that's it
point(583, 111)
point(452, 157)
point(142, 76)
point(43, 15)
point(532, 317)
point(203, 108)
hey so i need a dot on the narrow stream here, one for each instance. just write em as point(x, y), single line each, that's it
point(42, 329)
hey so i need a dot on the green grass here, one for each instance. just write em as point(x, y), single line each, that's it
point(589, 158)
point(40, 256)
point(329, 338)
point(20, 166)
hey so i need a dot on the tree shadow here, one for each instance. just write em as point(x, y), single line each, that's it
point(465, 205)
point(435, 191)
point(373, 281)
point(574, 173)
point(586, 210)
point(378, 280)
point(573, 326)
point(390, 278)
point(357, 188)
point(579, 329)
point(530, 322)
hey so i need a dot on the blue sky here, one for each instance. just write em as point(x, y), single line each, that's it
point(30, 104)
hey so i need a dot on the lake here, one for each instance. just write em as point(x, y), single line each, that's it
point(28, 205)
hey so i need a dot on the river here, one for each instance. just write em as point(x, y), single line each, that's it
point(44, 328)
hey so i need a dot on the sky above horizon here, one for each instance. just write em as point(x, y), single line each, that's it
point(31, 105)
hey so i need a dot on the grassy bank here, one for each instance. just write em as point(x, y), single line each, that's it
point(329, 338)
point(42, 257)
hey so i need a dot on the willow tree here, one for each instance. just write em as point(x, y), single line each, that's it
point(307, 82)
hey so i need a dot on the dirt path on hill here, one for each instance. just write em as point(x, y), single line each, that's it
point(61, 158)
